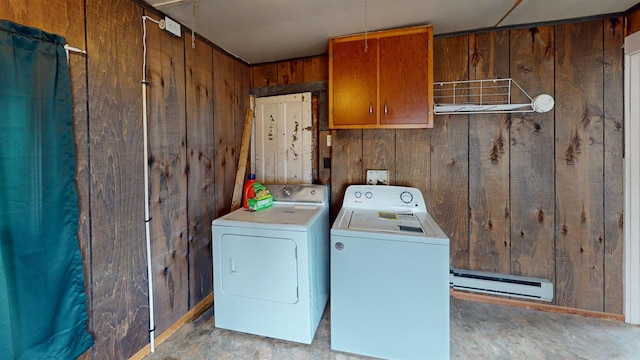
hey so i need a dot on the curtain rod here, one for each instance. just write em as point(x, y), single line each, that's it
point(74, 49)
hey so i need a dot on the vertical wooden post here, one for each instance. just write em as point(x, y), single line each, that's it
point(242, 162)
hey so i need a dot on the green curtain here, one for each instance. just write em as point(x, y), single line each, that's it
point(42, 302)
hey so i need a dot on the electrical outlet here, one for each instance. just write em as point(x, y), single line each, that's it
point(172, 27)
point(377, 177)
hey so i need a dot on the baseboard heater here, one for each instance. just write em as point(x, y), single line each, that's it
point(501, 284)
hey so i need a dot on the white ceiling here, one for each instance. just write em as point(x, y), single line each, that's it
point(258, 31)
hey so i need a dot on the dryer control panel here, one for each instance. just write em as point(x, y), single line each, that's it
point(384, 197)
point(305, 193)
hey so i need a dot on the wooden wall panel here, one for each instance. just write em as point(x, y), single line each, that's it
point(413, 159)
point(290, 72)
point(167, 175)
point(489, 225)
point(633, 22)
point(224, 130)
point(448, 202)
point(315, 69)
point(324, 152)
point(119, 268)
point(242, 84)
point(264, 75)
point(532, 158)
point(378, 152)
point(200, 162)
point(613, 166)
point(346, 164)
point(579, 165)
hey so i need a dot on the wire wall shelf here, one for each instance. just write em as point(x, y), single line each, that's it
point(486, 96)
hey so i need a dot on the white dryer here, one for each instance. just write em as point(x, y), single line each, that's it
point(389, 276)
point(271, 267)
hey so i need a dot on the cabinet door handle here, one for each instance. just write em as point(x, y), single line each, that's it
point(386, 111)
point(370, 109)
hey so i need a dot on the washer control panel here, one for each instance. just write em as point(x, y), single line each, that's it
point(384, 197)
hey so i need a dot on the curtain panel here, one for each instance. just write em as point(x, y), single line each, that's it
point(42, 301)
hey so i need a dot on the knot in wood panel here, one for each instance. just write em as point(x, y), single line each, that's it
point(497, 150)
point(573, 150)
point(476, 58)
point(591, 111)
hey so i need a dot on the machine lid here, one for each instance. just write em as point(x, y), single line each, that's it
point(287, 216)
point(388, 221)
point(380, 225)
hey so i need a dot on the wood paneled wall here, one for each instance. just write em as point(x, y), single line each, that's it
point(532, 194)
point(633, 20)
point(529, 194)
point(193, 154)
point(290, 72)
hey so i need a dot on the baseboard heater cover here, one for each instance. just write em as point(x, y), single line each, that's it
point(501, 284)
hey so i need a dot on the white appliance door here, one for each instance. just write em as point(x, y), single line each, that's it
point(389, 299)
point(259, 268)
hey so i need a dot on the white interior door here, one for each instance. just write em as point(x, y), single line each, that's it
point(632, 180)
point(282, 148)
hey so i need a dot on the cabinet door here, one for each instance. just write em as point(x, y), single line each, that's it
point(354, 85)
point(404, 79)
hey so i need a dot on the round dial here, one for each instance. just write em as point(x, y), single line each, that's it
point(406, 197)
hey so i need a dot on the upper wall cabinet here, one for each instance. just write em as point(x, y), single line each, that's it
point(382, 79)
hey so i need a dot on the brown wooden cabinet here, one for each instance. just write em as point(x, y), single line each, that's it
point(382, 79)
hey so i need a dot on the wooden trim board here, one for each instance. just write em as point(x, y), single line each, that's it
point(191, 315)
point(242, 161)
point(534, 305)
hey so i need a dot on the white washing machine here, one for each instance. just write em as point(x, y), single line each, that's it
point(389, 276)
point(271, 267)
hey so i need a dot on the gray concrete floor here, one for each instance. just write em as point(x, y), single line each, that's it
point(478, 331)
